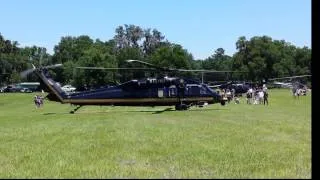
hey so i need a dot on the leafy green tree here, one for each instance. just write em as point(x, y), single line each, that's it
point(152, 41)
point(265, 58)
point(172, 56)
point(217, 61)
point(94, 57)
point(260, 56)
point(128, 36)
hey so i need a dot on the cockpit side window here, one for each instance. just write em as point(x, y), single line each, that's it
point(203, 90)
point(172, 91)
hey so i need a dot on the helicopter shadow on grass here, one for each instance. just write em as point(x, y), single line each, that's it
point(55, 113)
point(173, 110)
point(137, 111)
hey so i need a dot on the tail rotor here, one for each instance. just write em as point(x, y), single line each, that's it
point(23, 74)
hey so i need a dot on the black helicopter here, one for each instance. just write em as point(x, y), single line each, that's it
point(164, 91)
point(243, 87)
point(240, 88)
point(291, 82)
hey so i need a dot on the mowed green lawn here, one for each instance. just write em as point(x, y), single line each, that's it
point(233, 141)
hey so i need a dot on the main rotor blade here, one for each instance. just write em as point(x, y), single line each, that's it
point(142, 62)
point(26, 72)
point(290, 77)
point(23, 74)
point(206, 71)
point(53, 66)
point(181, 70)
point(150, 65)
point(102, 68)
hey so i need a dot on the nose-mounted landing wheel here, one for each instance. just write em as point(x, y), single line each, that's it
point(223, 102)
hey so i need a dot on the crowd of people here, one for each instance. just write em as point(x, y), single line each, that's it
point(254, 95)
point(258, 95)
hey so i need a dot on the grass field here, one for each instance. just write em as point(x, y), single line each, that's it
point(233, 141)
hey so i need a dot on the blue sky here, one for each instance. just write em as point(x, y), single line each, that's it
point(200, 26)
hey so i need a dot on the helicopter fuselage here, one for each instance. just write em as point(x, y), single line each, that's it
point(145, 92)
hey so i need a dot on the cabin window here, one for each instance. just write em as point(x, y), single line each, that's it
point(193, 89)
point(172, 91)
point(160, 92)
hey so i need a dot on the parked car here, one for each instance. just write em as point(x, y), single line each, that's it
point(26, 90)
point(2, 89)
point(68, 88)
point(11, 88)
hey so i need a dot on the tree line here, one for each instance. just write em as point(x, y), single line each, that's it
point(260, 57)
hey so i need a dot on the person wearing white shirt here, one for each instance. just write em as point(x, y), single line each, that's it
point(250, 96)
point(261, 95)
point(265, 89)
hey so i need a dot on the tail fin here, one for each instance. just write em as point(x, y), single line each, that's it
point(54, 89)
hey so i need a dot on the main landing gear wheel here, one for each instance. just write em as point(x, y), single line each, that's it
point(181, 107)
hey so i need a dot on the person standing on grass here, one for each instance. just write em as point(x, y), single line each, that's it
point(233, 93)
point(40, 101)
point(229, 95)
point(237, 100)
point(264, 88)
point(265, 98)
point(249, 95)
point(37, 101)
point(261, 96)
point(295, 92)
